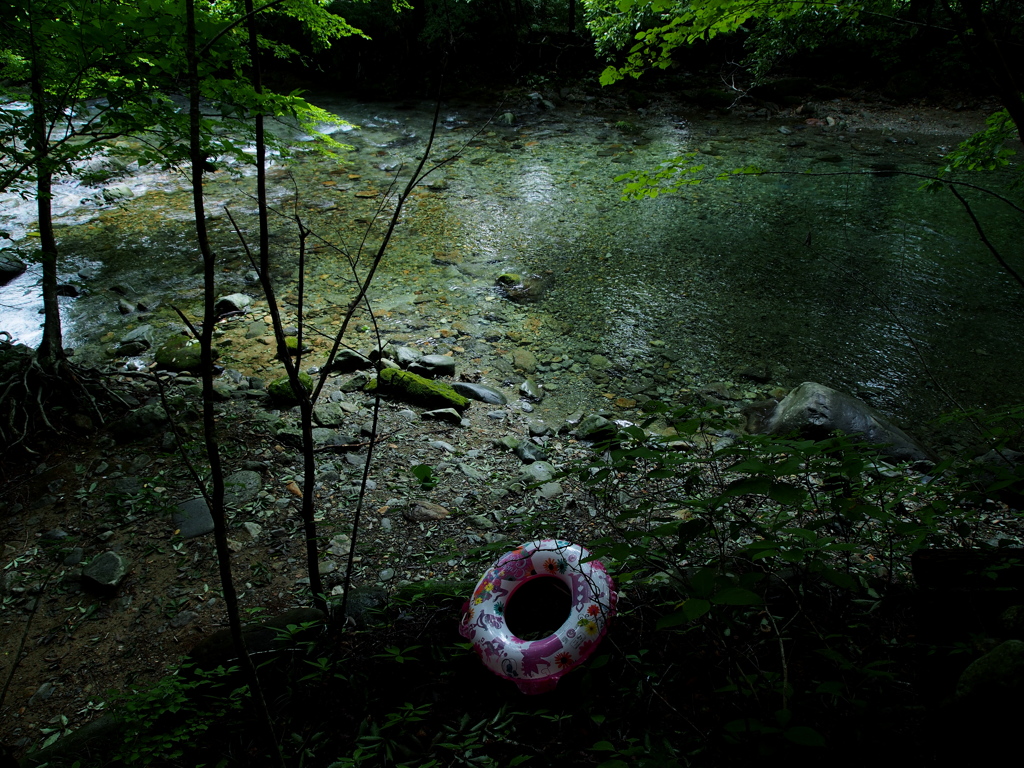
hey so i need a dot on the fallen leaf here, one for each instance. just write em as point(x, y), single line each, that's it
point(294, 488)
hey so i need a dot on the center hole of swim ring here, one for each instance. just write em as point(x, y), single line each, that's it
point(538, 608)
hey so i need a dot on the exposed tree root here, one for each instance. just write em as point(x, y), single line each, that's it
point(39, 398)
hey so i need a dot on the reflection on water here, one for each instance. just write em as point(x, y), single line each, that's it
point(851, 278)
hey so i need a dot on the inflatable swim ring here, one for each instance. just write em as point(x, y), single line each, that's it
point(536, 666)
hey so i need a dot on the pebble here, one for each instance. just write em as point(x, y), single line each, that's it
point(471, 472)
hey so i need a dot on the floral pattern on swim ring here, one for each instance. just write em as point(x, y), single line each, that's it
point(537, 665)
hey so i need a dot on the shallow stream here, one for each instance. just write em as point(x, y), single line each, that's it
point(847, 275)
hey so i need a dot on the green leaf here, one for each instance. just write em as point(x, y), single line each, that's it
point(690, 610)
point(805, 736)
point(736, 596)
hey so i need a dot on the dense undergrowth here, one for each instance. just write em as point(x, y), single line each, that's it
point(767, 611)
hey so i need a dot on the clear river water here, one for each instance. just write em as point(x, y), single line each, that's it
point(836, 271)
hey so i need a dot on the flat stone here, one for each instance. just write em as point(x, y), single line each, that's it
point(256, 329)
point(141, 335)
point(183, 618)
point(448, 415)
point(472, 472)
point(242, 487)
point(423, 511)
point(595, 427)
point(432, 366)
point(192, 518)
point(479, 392)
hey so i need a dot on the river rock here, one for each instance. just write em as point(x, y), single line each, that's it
point(143, 422)
point(281, 391)
point(595, 428)
point(406, 356)
point(1001, 670)
point(447, 415)
point(423, 511)
point(330, 414)
point(349, 361)
point(531, 390)
point(418, 390)
point(432, 366)
point(106, 571)
point(235, 302)
point(143, 335)
point(530, 452)
point(117, 192)
point(815, 411)
point(10, 268)
point(180, 353)
point(242, 486)
point(524, 360)
point(278, 632)
point(192, 518)
point(479, 392)
point(538, 472)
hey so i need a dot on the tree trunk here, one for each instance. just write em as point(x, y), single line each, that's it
point(51, 348)
point(215, 496)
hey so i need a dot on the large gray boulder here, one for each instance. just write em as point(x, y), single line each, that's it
point(999, 671)
point(10, 267)
point(815, 411)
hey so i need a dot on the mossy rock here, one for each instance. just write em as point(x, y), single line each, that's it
point(509, 278)
point(418, 390)
point(176, 354)
point(281, 389)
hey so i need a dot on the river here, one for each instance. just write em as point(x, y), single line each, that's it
point(835, 271)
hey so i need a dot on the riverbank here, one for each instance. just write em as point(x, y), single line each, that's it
point(107, 495)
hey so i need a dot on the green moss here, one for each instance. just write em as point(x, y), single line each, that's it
point(176, 354)
point(418, 390)
point(509, 278)
point(281, 389)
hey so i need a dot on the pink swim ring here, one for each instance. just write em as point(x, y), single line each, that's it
point(537, 665)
